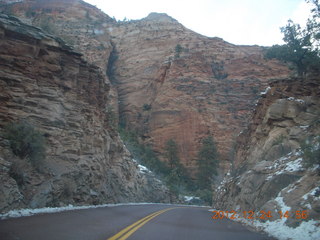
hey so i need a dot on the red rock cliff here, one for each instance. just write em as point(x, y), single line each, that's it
point(45, 83)
point(193, 85)
point(170, 82)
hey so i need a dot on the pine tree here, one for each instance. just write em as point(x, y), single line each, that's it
point(178, 177)
point(172, 154)
point(207, 163)
point(302, 45)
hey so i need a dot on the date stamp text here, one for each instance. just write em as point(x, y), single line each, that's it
point(263, 215)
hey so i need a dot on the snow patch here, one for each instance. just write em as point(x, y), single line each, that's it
point(312, 193)
point(291, 187)
point(98, 31)
point(296, 100)
point(143, 169)
point(285, 164)
point(298, 153)
point(266, 91)
point(294, 166)
point(281, 204)
point(269, 177)
point(304, 127)
point(308, 205)
point(190, 198)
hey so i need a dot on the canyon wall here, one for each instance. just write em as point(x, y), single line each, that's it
point(176, 84)
point(50, 86)
point(277, 157)
point(167, 82)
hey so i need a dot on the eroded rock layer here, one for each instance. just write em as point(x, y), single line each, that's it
point(277, 163)
point(170, 82)
point(175, 83)
point(46, 84)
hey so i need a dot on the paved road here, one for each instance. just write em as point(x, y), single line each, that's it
point(132, 222)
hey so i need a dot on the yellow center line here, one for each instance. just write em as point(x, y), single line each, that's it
point(128, 231)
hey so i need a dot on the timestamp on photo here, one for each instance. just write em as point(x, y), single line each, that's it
point(263, 215)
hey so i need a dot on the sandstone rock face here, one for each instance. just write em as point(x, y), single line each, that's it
point(169, 82)
point(271, 169)
point(45, 83)
point(195, 86)
point(79, 24)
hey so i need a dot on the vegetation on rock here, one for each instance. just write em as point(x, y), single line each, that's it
point(146, 107)
point(112, 118)
point(178, 179)
point(218, 70)
point(26, 142)
point(113, 57)
point(301, 47)
point(311, 151)
point(144, 154)
point(208, 163)
point(178, 49)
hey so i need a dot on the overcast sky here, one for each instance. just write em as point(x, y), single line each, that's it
point(246, 22)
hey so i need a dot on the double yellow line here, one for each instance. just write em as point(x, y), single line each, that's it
point(128, 231)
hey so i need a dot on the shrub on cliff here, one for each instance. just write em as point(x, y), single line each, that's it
point(26, 142)
point(311, 151)
point(301, 46)
point(143, 153)
point(146, 107)
point(178, 49)
point(218, 70)
point(17, 172)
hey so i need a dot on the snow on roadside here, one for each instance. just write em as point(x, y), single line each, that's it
point(307, 230)
point(29, 212)
point(190, 198)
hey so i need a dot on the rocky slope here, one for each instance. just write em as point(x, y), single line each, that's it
point(171, 82)
point(45, 83)
point(273, 170)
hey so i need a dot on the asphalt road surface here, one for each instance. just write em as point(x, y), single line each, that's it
point(134, 222)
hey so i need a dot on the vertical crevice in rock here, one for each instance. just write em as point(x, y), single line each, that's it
point(113, 57)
